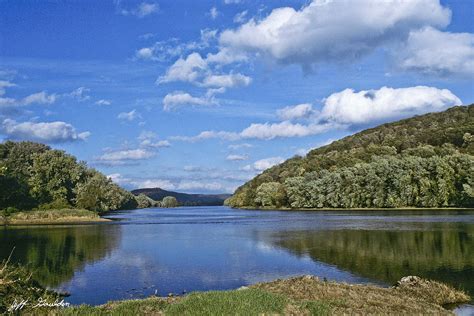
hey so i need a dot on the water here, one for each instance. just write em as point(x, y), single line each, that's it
point(215, 248)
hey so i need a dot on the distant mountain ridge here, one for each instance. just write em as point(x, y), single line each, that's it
point(184, 199)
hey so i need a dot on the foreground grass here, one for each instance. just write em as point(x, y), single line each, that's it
point(306, 295)
point(52, 217)
point(16, 285)
point(296, 296)
point(411, 295)
point(237, 302)
point(245, 302)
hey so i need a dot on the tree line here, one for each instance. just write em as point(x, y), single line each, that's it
point(425, 161)
point(34, 176)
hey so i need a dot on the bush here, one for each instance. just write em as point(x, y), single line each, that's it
point(55, 205)
point(169, 201)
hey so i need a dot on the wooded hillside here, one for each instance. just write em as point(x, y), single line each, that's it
point(424, 161)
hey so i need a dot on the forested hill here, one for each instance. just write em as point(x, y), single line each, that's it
point(184, 198)
point(424, 161)
point(34, 176)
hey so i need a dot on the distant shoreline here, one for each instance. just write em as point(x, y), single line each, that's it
point(356, 209)
point(83, 217)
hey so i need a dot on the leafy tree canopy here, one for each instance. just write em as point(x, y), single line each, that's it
point(33, 175)
point(424, 161)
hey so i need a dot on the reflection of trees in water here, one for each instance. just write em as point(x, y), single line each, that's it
point(445, 254)
point(54, 254)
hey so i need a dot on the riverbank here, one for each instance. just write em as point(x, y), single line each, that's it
point(52, 217)
point(354, 209)
point(306, 295)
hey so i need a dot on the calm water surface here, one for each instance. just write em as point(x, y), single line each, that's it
point(214, 248)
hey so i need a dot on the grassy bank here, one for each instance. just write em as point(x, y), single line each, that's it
point(17, 285)
point(305, 295)
point(62, 216)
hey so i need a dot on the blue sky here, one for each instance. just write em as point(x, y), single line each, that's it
point(200, 96)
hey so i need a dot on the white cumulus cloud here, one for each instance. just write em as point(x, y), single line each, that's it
point(433, 52)
point(351, 107)
point(343, 109)
point(40, 98)
point(299, 111)
point(145, 53)
point(7, 103)
point(283, 129)
point(124, 156)
point(237, 157)
point(333, 30)
point(150, 140)
point(187, 70)
point(179, 98)
point(48, 132)
point(129, 116)
point(226, 81)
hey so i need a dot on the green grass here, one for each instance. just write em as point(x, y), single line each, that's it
point(16, 284)
point(148, 306)
point(237, 302)
point(317, 307)
point(305, 295)
point(243, 302)
point(54, 214)
point(51, 216)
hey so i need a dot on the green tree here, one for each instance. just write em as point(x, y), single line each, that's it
point(169, 201)
point(100, 194)
point(33, 175)
point(54, 175)
point(271, 194)
point(144, 201)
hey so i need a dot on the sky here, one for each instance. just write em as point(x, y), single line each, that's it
point(200, 96)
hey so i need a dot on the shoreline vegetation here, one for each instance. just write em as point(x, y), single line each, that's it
point(327, 209)
point(49, 217)
point(81, 216)
point(303, 295)
point(426, 161)
point(36, 181)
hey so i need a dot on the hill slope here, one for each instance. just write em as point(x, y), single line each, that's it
point(424, 161)
point(185, 199)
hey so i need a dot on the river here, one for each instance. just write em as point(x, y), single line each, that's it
point(161, 251)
